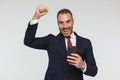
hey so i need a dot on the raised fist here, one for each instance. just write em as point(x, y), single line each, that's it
point(40, 11)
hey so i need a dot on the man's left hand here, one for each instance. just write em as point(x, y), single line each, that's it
point(76, 60)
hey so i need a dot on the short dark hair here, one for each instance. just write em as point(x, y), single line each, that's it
point(63, 11)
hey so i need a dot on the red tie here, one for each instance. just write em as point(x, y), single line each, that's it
point(69, 43)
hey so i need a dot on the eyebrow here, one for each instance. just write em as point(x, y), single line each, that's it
point(65, 21)
point(68, 20)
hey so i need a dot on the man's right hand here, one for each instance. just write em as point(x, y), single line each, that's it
point(40, 11)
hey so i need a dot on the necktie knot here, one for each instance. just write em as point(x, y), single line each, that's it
point(68, 37)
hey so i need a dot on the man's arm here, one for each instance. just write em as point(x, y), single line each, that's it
point(89, 65)
point(90, 61)
point(30, 39)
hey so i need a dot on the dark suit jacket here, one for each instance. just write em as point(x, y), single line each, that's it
point(58, 67)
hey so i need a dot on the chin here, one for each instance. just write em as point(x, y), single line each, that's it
point(65, 35)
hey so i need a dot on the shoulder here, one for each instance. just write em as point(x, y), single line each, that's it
point(81, 37)
point(84, 38)
point(50, 36)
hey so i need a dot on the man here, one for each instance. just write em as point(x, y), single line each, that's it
point(62, 66)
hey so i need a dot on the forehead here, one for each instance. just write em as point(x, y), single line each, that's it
point(64, 16)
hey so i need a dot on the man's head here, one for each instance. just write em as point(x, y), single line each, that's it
point(65, 22)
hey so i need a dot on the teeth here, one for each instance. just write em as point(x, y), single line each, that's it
point(66, 30)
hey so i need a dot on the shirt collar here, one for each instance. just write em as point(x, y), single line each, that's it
point(72, 35)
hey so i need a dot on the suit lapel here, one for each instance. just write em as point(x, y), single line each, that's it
point(61, 48)
point(80, 49)
point(78, 42)
point(61, 45)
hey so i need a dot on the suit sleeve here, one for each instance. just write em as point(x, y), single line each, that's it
point(33, 42)
point(90, 61)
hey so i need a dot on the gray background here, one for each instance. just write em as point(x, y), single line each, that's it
point(98, 20)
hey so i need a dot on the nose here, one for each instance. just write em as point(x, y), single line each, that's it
point(65, 25)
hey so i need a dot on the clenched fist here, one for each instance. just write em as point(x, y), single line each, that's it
point(40, 11)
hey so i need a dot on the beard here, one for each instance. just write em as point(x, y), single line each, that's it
point(66, 31)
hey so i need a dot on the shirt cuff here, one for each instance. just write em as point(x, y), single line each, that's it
point(85, 67)
point(32, 22)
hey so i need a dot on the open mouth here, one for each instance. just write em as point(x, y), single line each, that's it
point(66, 30)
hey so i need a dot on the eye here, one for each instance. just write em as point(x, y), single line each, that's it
point(60, 22)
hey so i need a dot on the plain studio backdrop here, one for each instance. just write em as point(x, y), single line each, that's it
point(98, 20)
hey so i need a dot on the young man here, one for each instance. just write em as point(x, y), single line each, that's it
point(62, 66)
